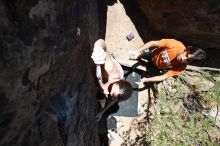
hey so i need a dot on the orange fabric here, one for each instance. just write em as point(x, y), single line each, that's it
point(164, 56)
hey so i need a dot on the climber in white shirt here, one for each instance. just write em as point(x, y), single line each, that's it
point(110, 75)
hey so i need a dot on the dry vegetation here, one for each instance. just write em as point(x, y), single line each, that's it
point(184, 111)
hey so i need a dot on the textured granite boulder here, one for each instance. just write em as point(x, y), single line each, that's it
point(47, 84)
point(195, 21)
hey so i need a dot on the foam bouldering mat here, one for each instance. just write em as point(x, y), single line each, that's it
point(128, 108)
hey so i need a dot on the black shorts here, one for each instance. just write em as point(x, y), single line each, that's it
point(146, 54)
point(100, 95)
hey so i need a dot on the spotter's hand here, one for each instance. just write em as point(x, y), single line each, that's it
point(144, 80)
point(134, 56)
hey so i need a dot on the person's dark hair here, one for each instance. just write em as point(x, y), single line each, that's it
point(125, 90)
point(197, 53)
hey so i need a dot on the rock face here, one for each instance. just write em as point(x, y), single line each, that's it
point(195, 21)
point(46, 73)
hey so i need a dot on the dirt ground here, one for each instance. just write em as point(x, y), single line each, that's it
point(119, 25)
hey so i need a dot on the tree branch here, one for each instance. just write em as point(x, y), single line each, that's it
point(196, 68)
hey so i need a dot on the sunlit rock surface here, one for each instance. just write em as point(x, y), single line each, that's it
point(195, 21)
point(47, 86)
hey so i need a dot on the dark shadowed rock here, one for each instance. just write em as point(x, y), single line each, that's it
point(47, 84)
point(195, 21)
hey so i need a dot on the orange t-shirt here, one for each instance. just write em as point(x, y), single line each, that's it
point(164, 56)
